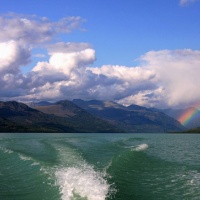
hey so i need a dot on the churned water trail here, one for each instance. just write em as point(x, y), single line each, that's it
point(76, 178)
point(84, 182)
point(140, 147)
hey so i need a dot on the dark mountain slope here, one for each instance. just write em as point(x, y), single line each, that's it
point(193, 130)
point(18, 117)
point(26, 119)
point(78, 117)
point(6, 125)
point(132, 118)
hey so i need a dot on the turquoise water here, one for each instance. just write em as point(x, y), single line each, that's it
point(99, 167)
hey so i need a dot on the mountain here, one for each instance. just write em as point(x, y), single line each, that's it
point(193, 130)
point(134, 118)
point(78, 118)
point(40, 103)
point(6, 125)
point(25, 119)
point(189, 117)
point(83, 116)
point(18, 117)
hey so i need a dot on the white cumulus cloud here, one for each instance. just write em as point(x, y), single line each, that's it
point(34, 30)
point(18, 36)
point(163, 78)
point(68, 57)
point(177, 72)
point(12, 56)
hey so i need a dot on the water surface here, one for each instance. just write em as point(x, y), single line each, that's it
point(99, 166)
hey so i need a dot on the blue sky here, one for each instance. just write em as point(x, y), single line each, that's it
point(136, 37)
point(121, 31)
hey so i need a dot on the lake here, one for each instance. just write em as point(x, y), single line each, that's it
point(99, 166)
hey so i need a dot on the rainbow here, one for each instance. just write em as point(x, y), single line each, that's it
point(187, 116)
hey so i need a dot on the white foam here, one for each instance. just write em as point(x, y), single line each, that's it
point(22, 157)
point(84, 182)
point(26, 158)
point(34, 164)
point(195, 178)
point(6, 150)
point(140, 147)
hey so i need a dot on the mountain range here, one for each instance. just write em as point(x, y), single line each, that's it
point(18, 117)
point(134, 118)
point(83, 116)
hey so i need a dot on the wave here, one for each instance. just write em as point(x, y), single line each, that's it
point(141, 147)
point(75, 177)
point(194, 178)
point(82, 183)
point(23, 157)
point(5, 150)
point(26, 158)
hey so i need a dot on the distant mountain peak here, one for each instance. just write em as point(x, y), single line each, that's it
point(97, 104)
point(14, 105)
point(133, 118)
point(63, 116)
point(85, 116)
point(136, 107)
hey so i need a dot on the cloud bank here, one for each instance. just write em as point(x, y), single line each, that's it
point(34, 30)
point(164, 78)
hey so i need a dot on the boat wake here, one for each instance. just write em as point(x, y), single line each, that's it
point(76, 178)
point(82, 183)
point(141, 147)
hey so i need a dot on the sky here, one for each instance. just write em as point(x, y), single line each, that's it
point(131, 51)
